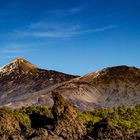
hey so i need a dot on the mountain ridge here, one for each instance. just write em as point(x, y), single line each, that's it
point(111, 86)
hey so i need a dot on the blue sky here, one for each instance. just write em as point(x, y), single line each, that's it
point(71, 36)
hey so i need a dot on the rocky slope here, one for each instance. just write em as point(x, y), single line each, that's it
point(20, 80)
point(113, 86)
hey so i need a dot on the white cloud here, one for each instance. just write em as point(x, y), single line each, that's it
point(101, 29)
point(60, 31)
point(53, 27)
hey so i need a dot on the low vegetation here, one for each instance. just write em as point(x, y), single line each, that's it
point(125, 118)
point(23, 114)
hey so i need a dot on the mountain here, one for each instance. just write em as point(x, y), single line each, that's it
point(113, 86)
point(21, 80)
point(23, 84)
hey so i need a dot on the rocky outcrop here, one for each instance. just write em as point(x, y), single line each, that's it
point(104, 130)
point(68, 124)
point(9, 125)
point(40, 134)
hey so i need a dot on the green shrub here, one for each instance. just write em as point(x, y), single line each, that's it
point(42, 110)
point(23, 114)
point(22, 118)
point(125, 118)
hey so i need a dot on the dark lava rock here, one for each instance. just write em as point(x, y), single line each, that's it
point(40, 134)
point(67, 125)
point(103, 130)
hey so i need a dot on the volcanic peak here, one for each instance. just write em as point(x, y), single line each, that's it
point(19, 65)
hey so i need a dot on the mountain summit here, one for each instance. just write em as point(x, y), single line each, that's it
point(18, 66)
point(24, 65)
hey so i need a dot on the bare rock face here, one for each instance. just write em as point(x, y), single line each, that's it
point(9, 126)
point(40, 134)
point(68, 125)
point(8, 122)
point(103, 130)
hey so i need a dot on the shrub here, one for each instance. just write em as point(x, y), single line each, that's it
point(125, 118)
point(23, 114)
point(22, 118)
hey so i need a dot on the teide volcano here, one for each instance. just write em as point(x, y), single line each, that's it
point(22, 84)
point(20, 79)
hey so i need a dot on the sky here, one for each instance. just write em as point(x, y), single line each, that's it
point(71, 36)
